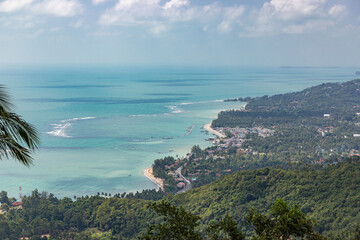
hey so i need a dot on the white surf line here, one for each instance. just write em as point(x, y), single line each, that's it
point(60, 128)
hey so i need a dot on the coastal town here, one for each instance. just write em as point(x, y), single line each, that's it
point(270, 132)
point(224, 138)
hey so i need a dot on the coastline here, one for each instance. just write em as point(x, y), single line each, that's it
point(148, 172)
point(208, 128)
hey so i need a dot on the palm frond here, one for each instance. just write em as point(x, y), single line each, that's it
point(5, 100)
point(10, 148)
point(18, 139)
point(21, 131)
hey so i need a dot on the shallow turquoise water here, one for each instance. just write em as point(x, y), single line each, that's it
point(101, 126)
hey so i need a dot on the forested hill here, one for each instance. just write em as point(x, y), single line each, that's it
point(331, 196)
point(328, 97)
point(340, 100)
point(317, 125)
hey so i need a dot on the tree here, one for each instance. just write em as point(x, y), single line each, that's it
point(228, 227)
point(4, 198)
point(5, 207)
point(18, 139)
point(196, 149)
point(178, 224)
point(284, 222)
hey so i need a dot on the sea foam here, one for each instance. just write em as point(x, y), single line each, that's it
point(59, 129)
point(174, 109)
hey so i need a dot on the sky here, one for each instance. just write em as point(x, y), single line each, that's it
point(180, 32)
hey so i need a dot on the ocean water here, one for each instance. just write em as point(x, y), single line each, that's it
point(102, 126)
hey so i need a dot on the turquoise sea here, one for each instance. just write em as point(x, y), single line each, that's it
point(102, 126)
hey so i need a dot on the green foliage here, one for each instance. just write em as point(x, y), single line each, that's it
point(181, 225)
point(178, 224)
point(228, 227)
point(196, 149)
point(330, 196)
point(18, 139)
point(4, 198)
point(284, 222)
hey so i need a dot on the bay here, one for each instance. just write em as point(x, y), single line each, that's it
point(102, 126)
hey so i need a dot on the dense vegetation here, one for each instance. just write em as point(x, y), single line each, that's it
point(318, 125)
point(330, 196)
point(298, 118)
point(283, 222)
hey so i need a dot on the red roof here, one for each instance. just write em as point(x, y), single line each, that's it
point(15, 204)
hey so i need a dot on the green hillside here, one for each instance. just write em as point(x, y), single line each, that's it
point(330, 196)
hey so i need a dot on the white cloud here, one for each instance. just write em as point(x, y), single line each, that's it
point(60, 8)
point(129, 12)
point(293, 17)
point(175, 4)
point(273, 17)
point(159, 16)
point(14, 5)
point(96, 2)
point(291, 9)
point(338, 11)
point(311, 25)
point(231, 17)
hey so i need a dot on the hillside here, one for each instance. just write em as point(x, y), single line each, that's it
point(331, 196)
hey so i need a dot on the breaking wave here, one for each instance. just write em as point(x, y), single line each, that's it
point(59, 129)
point(174, 109)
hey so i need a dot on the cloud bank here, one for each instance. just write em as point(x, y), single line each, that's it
point(60, 8)
point(159, 16)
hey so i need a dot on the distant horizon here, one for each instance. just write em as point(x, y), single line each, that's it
point(114, 65)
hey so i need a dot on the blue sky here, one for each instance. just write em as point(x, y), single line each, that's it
point(180, 32)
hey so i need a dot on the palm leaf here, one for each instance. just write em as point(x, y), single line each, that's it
point(18, 139)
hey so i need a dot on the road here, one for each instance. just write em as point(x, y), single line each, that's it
point(186, 181)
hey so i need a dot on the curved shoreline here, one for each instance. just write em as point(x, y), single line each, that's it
point(208, 128)
point(148, 172)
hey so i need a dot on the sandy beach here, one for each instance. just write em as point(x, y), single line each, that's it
point(208, 128)
point(158, 181)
